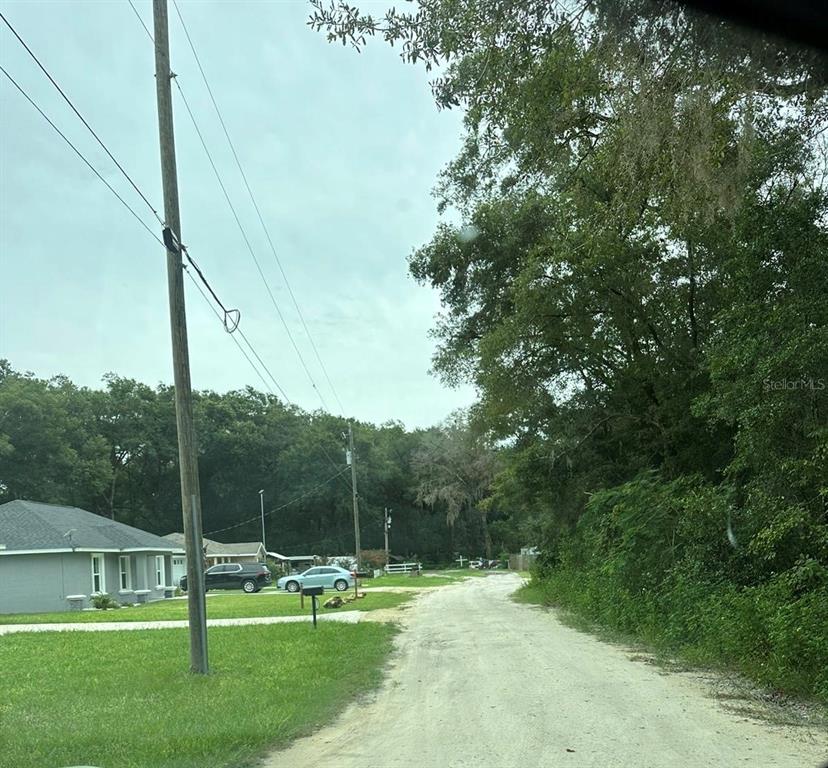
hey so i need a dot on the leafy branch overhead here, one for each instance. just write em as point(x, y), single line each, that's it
point(637, 292)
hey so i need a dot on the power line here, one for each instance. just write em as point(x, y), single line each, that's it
point(149, 230)
point(266, 231)
point(281, 507)
point(227, 313)
point(252, 253)
point(138, 16)
point(267, 370)
point(241, 349)
point(272, 378)
point(246, 240)
point(238, 220)
point(82, 118)
point(232, 207)
point(255, 260)
point(232, 317)
point(81, 156)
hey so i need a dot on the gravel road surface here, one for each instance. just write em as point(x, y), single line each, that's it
point(478, 680)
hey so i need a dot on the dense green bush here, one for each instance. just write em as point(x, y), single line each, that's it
point(103, 602)
point(670, 563)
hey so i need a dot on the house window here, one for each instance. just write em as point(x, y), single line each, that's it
point(126, 573)
point(160, 575)
point(98, 576)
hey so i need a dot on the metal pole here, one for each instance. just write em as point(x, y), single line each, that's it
point(188, 462)
point(387, 524)
point(356, 497)
point(261, 500)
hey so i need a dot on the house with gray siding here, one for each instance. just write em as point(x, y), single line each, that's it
point(215, 552)
point(54, 558)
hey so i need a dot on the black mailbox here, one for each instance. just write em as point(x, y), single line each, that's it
point(312, 593)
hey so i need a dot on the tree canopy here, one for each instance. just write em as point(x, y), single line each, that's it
point(114, 452)
point(638, 292)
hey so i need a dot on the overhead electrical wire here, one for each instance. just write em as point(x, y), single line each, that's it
point(141, 221)
point(249, 248)
point(231, 206)
point(267, 234)
point(138, 16)
point(243, 233)
point(81, 117)
point(281, 506)
point(232, 335)
point(267, 370)
point(229, 325)
point(81, 156)
point(340, 470)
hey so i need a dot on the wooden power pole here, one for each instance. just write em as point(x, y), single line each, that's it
point(352, 455)
point(190, 493)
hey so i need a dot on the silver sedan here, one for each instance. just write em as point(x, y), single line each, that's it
point(327, 576)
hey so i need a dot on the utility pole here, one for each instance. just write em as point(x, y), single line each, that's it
point(352, 457)
point(190, 493)
point(261, 501)
point(387, 527)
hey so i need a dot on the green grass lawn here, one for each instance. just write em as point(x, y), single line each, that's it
point(220, 606)
point(404, 580)
point(127, 699)
point(532, 593)
point(426, 579)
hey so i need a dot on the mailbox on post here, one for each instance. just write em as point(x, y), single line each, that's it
point(313, 593)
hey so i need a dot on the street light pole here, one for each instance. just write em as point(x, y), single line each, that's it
point(261, 503)
point(387, 528)
point(352, 456)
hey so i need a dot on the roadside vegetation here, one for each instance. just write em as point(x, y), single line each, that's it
point(218, 607)
point(648, 561)
point(637, 291)
point(126, 698)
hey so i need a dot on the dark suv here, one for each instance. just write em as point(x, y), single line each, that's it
point(250, 577)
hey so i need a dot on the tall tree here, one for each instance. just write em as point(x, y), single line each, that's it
point(454, 469)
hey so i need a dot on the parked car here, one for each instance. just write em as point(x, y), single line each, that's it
point(328, 576)
point(250, 577)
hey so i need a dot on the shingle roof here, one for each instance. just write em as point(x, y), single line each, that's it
point(216, 548)
point(178, 538)
point(237, 548)
point(28, 525)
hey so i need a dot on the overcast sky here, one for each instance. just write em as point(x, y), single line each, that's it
point(341, 150)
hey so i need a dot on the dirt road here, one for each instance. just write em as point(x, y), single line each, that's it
point(478, 680)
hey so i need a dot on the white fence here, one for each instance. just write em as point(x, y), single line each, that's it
point(403, 568)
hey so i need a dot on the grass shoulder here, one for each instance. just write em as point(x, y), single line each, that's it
point(425, 578)
point(233, 605)
point(128, 699)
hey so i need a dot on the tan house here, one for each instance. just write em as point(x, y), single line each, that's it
point(216, 552)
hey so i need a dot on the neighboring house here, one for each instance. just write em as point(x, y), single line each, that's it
point(295, 563)
point(50, 553)
point(215, 552)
